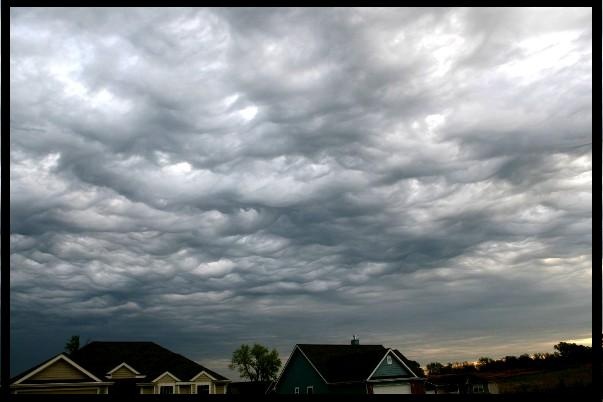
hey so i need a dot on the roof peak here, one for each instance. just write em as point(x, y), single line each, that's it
point(342, 345)
point(122, 342)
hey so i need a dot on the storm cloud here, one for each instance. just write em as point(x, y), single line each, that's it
point(204, 178)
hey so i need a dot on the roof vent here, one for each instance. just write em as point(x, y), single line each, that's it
point(355, 340)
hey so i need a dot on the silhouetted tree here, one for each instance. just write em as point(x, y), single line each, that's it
point(484, 363)
point(434, 368)
point(73, 344)
point(466, 367)
point(524, 361)
point(256, 363)
point(573, 352)
point(510, 362)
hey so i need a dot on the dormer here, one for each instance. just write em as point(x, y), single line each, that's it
point(123, 370)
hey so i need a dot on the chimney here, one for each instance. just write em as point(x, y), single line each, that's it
point(355, 340)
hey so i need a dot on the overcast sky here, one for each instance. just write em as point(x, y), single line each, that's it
point(204, 178)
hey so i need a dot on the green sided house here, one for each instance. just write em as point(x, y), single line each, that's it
point(347, 369)
point(124, 368)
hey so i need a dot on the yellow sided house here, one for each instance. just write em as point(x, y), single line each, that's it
point(124, 368)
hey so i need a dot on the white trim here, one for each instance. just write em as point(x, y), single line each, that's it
point(126, 365)
point(308, 388)
point(311, 364)
point(168, 373)
point(24, 391)
point(390, 350)
point(54, 360)
point(405, 365)
point(61, 384)
point(296, 391)
point(398, 379)
point(206, 373)
point(378, 364)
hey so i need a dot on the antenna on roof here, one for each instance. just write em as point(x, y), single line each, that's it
point(355, 340)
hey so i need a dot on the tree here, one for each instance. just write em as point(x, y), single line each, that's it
point(510, 362)
point(524, 360)
point(572, 352)
point(256, 363)
point(483, 363)
point(73, 344)
point(434, 368)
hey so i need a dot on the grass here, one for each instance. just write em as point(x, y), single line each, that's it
point(578, 377)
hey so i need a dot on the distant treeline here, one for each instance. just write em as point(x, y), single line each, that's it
point(565, 354)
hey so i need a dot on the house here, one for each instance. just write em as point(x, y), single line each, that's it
point(119, 368)
point(347, 369)
point(469, 383)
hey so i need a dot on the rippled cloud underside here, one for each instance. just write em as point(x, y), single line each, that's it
point(204, 178)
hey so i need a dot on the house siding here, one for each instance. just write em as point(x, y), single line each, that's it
point(299, 373)
point(166, 379)
point(220, 389)
point(147, 390)
point(493, 388)
point(184, 389)
point(60, 370)
point(203, 378)
point(123, 372)
point(391, 370)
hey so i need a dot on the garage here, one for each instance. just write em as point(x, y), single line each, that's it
point(391, 388)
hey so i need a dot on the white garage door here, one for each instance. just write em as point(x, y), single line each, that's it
point(392, 389)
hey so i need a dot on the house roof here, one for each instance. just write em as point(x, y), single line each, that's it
point(345, 363)
point(26, 372)
point(148, 358)
point(405, 360)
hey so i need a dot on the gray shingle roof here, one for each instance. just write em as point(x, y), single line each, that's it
point(346, 363)
point(148, 358)
point(343, 363)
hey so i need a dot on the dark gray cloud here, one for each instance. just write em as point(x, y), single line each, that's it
point(208, 177)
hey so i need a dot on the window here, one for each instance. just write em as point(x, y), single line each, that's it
point(166, 389)
point(389, 359)
point(296, 390)
point(478, 388)
point(310, 390)
point(203, 389)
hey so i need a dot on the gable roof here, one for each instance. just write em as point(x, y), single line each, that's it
point(149, 358)
point(343, 363)
point(405, 360)
point(126, 366)
point(47, 363)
